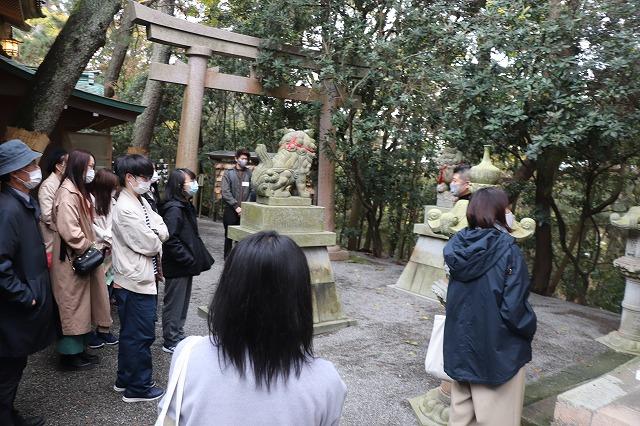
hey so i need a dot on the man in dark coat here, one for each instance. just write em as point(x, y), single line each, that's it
point(26, 304)
point(236, 188)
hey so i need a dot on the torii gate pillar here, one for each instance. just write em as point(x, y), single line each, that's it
point(326, 165)
point(190, 119)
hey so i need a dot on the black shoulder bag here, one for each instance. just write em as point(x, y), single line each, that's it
point(86, 262)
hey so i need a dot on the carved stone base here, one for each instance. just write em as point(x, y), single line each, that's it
point(304, 225)
point(432, 408)
point(285, 201)
point(425, 267)
point(619, 343)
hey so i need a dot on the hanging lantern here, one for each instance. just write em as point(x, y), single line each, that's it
point(10, 45)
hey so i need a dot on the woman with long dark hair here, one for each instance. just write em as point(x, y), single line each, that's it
point(490, 323)
point(103, 189)
point(183, 254)
point(259, 353)
point(82, 299)
point(54, 168)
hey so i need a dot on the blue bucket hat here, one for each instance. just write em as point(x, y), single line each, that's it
point(14, 155)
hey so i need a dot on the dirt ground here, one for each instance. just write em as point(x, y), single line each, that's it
point(381, 358)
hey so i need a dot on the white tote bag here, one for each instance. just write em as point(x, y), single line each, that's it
point(434, 361)
point(175, 388)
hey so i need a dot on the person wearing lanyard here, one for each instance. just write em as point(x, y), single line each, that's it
point(137, 236)
point(236, 188)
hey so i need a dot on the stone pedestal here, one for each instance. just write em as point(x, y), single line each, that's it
point(426, 265)
point(627, 337)
point(432, 408)
point(304, 224)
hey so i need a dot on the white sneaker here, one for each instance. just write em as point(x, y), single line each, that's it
point(168, 349)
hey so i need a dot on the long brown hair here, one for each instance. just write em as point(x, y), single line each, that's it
point(101, 188)
point(77, 163)
point(487, 207)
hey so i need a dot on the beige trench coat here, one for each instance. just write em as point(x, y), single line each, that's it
point(82, 299)
point(46, 194)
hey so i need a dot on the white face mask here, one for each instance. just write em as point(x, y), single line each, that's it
point(91, 174)
point(510, 218)
point(35, 177)
point(242, 162)
point(141, 187)
point(192, 188)
point(155, 177)
point(455, 189)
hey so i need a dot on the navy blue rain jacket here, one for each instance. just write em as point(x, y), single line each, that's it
point(490, 323)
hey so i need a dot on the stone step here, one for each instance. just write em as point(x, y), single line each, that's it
point(540, 396)
point(610, 400)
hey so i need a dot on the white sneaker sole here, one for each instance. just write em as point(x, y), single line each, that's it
point(120, 390)
point(169, 351)
point(125, 399)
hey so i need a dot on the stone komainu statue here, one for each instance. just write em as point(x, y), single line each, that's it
point(273, 177)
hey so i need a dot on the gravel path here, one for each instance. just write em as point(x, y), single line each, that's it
point(381, 359)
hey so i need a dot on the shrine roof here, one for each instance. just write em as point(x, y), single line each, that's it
point(86, 88)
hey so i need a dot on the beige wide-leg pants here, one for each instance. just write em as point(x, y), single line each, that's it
point(484, 405)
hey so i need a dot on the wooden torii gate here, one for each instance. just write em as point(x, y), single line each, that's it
point(201, 42)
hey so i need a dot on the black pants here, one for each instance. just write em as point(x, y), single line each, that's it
point(177, 292)
point(10, 374)
point(229, 218)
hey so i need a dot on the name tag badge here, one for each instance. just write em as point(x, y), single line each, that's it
point(245, 183)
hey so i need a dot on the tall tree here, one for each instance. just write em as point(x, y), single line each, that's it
point(83, 34)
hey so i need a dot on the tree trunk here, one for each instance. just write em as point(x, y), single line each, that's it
point(376, 236)
point(83, 34)
point(152, 95)
point(546, 168)
point(557, 275)
point(355, 216)
point(367, 239)
point(122, 38)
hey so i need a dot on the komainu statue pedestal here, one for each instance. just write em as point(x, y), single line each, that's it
point(296, 218)
point(426, 265)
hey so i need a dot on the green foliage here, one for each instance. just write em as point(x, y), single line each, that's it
point(537, 80)
point(36, 43)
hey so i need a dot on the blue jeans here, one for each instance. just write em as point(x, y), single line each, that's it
point(137, 314)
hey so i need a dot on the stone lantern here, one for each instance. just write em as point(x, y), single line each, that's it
point(627, 337)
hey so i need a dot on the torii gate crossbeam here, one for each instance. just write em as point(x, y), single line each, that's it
point(201, 42)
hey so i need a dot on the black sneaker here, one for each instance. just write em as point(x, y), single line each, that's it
point(108, 338)
point(168, 349)
point(119, 387)
point(75, 363)
point(95, 341)
point(94, 359)
point(151, 394)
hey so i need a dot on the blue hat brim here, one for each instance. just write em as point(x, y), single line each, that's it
point(22, 160)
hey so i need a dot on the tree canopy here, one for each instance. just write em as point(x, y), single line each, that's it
point(552, 85)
